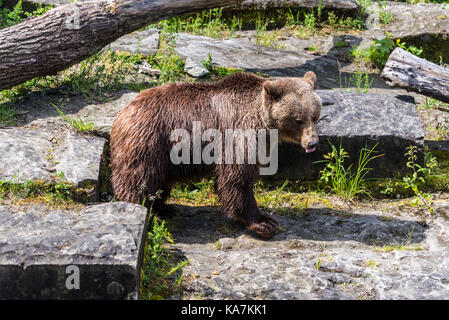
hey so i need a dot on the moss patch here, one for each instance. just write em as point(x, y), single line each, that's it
point(55, 194)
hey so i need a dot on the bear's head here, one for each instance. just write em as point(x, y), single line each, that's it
point(294, 109)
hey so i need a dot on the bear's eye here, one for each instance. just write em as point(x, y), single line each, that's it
point(299, 122)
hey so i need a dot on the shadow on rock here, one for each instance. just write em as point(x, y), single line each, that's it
point(208, 224)
point(39, 110)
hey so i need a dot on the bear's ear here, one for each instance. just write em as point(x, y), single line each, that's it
point(310, 77)
point(273, 89)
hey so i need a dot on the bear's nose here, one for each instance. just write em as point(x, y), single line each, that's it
point(313, 144)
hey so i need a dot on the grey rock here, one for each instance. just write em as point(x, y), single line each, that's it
point(323, 44)
point(79, 157)
point(412, 20)
point(36, 155)
point(146, 68)
point(104, 241)
point(145, 42)
point(240, 54)
point(358, 120)
point(23, 155)
point(102, 115)
point(195, 68)
point(320, 254)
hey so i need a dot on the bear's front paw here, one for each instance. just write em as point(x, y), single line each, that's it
point(266, 226)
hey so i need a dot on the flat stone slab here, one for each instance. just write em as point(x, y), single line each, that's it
point(145, 42)
point(358, 120)
point(39, 246)
point(320, 254)
point(241, 54)
point(39, 155)
point(411, 20)
point(102, 115)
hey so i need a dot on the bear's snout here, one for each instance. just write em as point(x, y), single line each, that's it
point(312, 146)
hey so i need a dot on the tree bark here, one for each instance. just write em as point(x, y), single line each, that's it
point(330, 4)
point(66, 35)
point(405, 70)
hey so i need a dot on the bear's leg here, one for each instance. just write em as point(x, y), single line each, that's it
point(234, 186)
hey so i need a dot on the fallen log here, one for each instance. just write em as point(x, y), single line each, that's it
point(329, 4)
point(246, 4)
point(66, 35)
point(405, 70)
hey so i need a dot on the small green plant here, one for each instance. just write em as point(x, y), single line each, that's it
point(343, 181)
point(341, 44)
point(17, 14)
point(332, 19)
point(195, 192)
point(57, 193)
point(379, 51)
point(412, 49)
point(364, 4)
point(160, 275)
point(210, 23)
point(279, 191)
point(360, 80)
point(417, 178)
point(218, 71)
point(261, 28)
point(78, 124)
point(166, 59)
point(8, 115)
point(310, 20)
point(385, 17)
point(292, 19)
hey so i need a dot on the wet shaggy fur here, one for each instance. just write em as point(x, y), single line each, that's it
point(140, 137)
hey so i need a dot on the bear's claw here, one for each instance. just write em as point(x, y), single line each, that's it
point(265, 228)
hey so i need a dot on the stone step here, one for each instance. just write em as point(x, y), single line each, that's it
point(144, 42)
point(38, 155)
point(358, 120)
point(41, 251)
point(321, 253)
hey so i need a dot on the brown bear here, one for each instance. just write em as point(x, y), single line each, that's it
point(141, 137)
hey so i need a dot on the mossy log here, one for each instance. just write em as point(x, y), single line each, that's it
point(405, 70)
point(66, 35)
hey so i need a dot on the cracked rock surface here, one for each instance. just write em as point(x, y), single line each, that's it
point(38, 155)
point(104, 241)
point(319, 254)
